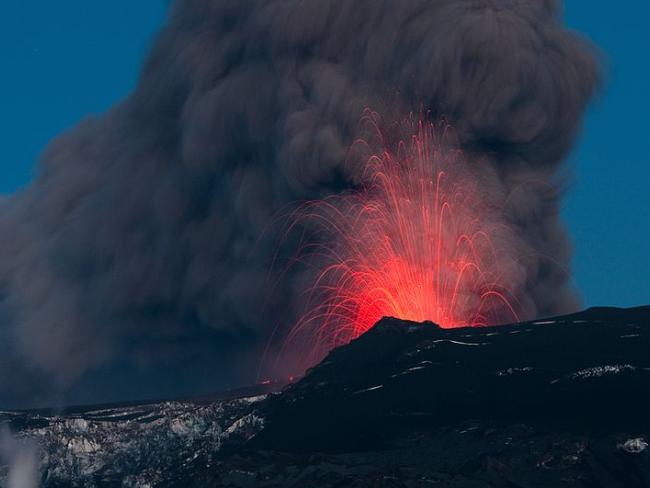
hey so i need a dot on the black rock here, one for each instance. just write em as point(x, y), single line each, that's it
point(586, 373)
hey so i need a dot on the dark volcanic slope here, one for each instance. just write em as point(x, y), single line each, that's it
point(562, 402)
point(583, 373)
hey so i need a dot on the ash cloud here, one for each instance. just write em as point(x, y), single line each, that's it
point(148, 228)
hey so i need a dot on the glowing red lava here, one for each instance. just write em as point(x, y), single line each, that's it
point(414, 241)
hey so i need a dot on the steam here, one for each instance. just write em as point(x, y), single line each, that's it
point(150, 223)
point(20, 458)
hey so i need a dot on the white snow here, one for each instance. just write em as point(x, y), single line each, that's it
point(416, 368)
point(372, 388)
point(248, 425)
point(79, 425)
point(460, 343)
point(254, 399)
point(634, 446)
point(83, 446)
point(509, 371)
point(598, 371)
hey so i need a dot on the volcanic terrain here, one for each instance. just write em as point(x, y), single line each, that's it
point(557, 402)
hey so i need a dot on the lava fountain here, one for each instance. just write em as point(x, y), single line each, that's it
point(417, 240)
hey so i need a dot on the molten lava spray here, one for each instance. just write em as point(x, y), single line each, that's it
point(416, 241)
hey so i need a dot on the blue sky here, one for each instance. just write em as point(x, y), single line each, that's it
point(61, 61)
point(64, 60)
point(608, 206)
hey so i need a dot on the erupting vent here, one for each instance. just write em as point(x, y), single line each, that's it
point(415, 241)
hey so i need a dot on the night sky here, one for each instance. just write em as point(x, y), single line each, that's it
point(65, 60)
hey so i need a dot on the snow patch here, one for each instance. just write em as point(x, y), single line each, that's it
point(372, 388)
point(634, 446)
point(416, 368)
point(599, 371)
point(247, 426)
point(461, 343)
point(510, 371)
point(254, 399)
point(81, 446)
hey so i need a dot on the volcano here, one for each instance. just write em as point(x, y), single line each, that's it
point(562, 401)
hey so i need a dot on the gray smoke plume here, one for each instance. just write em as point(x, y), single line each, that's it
point(148, 226)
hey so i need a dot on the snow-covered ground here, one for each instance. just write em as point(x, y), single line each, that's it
point(134, 443)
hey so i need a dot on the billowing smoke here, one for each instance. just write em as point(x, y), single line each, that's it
point(152, 225)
